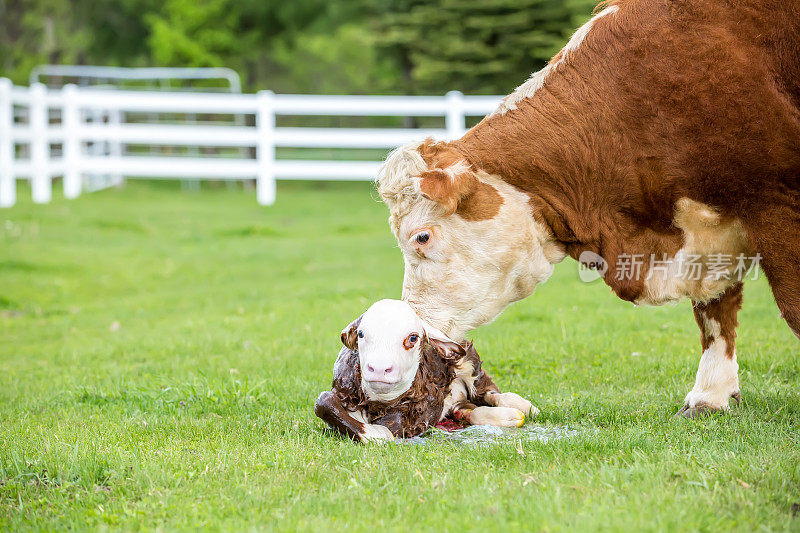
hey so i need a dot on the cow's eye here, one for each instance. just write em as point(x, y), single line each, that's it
point(360, 334)
point(412, 338)
point(422, 237)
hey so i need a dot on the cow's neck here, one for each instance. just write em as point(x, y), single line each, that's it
point(551, 173)
point(580, 173)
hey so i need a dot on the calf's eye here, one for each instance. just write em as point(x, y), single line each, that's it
point(410, 341)
point(423, 237)
point(360, 334)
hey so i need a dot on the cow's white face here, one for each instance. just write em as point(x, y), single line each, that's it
point(389, 338)
point(470, 243)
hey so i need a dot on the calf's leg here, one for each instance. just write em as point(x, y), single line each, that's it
point(718, 373)
point(492, 416)
point(510, 399)
point(348, 423)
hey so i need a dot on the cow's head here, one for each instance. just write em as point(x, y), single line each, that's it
point(470, 243)
point(390, 338)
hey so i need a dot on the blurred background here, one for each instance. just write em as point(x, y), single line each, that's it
point(308, 46)
point(95, 92)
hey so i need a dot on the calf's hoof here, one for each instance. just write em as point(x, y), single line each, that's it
point(507, 417)
point(511, 399)
point(375, 433)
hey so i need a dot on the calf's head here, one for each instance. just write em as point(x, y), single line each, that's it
point(389, 338)
point(470, 243)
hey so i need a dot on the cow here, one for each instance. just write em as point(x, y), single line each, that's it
point(396, 376)
point(666, 129)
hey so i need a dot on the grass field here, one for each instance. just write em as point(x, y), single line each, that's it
point(160, 352)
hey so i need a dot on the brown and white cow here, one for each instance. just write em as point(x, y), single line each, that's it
point(663, 129)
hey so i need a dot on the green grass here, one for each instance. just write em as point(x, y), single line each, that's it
point(160, 353)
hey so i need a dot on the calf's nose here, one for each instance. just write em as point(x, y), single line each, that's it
point(380, 371)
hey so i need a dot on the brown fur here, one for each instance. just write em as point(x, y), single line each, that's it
point(724, 311)
point(421, 406)
point(663, 100)
point(465, 194)
point(483, 204)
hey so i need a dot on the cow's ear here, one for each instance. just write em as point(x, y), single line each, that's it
point(446, 347)
point(448, 186)
point(350, 334)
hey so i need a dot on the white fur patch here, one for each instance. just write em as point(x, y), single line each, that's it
point(456, 169)
point(717, 377)
point(372, 432)
point(711, 327)
point(462, 388)
point(706, 234)
point(458, 394)
point(396, 184)
point(537, 79)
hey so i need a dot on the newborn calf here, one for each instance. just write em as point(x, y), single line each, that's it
point(396, 376)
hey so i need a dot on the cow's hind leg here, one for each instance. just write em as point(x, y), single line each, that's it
point(717, 378)
point(775, 235)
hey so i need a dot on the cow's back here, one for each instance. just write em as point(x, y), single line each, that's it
point(661, 100)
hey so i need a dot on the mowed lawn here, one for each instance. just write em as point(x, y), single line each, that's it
point(160, 353)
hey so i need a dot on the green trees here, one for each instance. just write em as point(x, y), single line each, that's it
point(327, 46)
point(479, 46)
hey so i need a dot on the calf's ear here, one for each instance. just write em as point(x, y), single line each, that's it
point(446, 347)
point(448, 186)
point(350, 334)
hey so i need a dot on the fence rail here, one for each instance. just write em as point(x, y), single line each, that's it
point(35, 122)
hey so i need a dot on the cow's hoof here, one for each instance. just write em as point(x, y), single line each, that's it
point(698, 411)
point(701, 409)
point(698, 404)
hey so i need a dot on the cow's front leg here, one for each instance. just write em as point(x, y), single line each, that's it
point(717, 378)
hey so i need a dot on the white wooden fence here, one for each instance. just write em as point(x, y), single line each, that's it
point(29, 147)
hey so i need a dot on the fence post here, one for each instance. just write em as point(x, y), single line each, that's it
point(41, 183)
point(455, 119)
point(265, 150)
point(73, 177)
point(8, 184)
point(115, 118)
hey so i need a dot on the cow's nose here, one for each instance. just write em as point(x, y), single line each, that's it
point(380, 372)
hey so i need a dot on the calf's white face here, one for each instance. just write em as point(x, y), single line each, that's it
point(389, 338)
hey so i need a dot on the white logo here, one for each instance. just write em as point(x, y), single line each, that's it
point(591, 266)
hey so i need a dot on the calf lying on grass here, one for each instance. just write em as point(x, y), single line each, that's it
point(396, 376)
